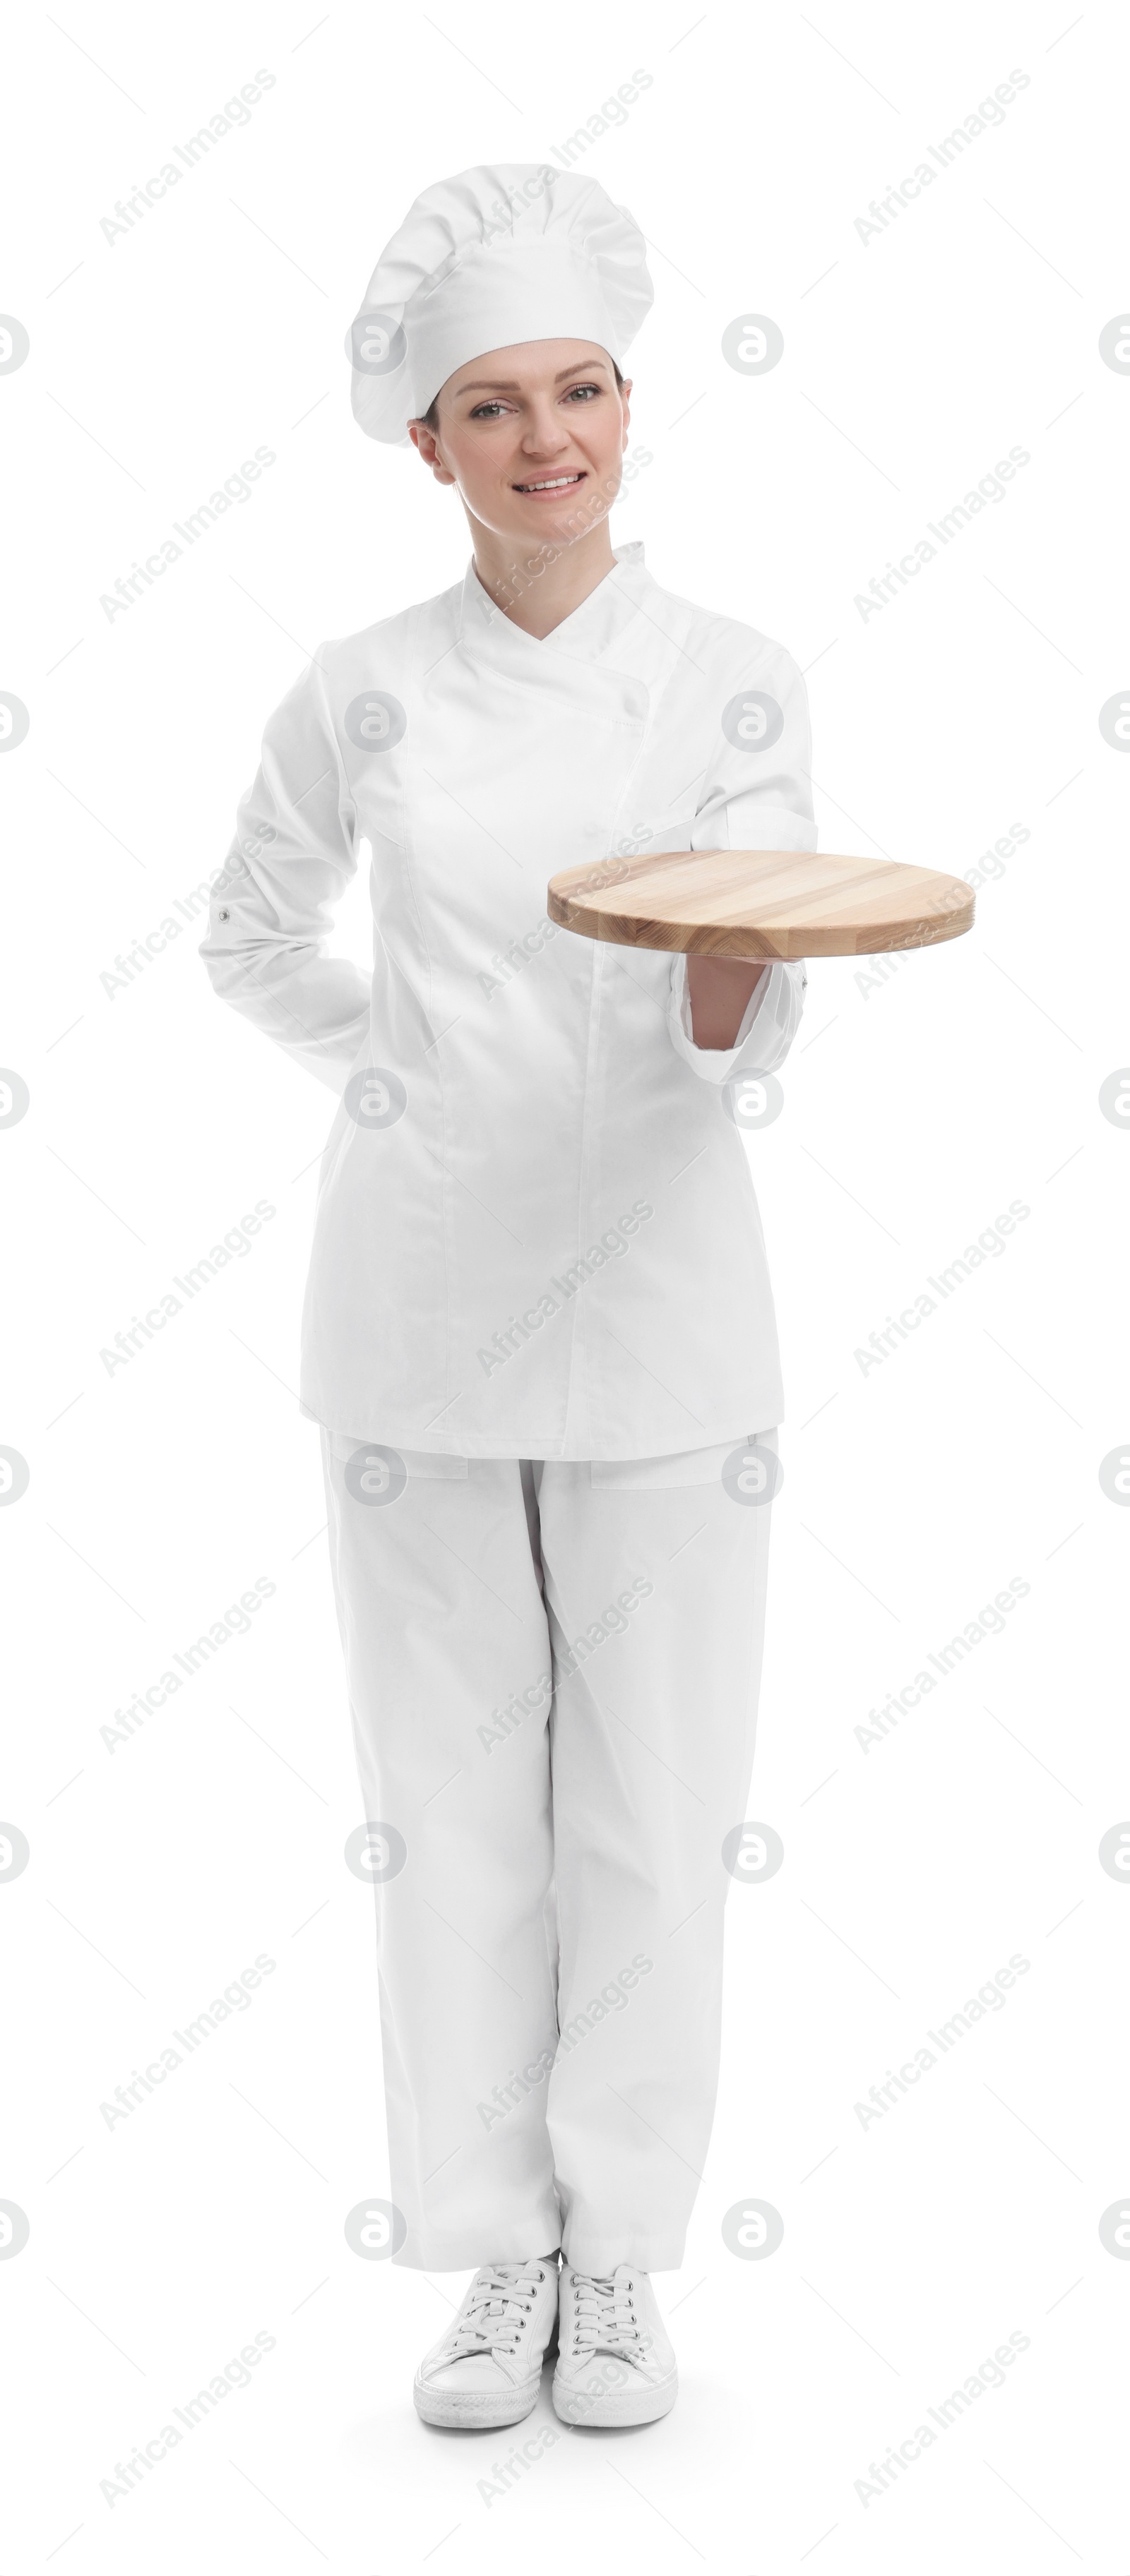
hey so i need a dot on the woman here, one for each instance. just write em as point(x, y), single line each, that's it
point(538, 1333)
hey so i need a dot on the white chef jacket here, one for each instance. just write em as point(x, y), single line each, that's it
point(536, 1231)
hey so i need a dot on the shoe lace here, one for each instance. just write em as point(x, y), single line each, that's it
point(491, 2316)
point(604, 2317)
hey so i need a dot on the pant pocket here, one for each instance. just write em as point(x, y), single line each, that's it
point(433, 1466)
point(686, 1467)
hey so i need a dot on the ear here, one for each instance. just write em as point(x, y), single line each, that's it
point(424, 441)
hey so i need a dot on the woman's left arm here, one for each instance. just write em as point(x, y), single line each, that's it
point(726, 1016)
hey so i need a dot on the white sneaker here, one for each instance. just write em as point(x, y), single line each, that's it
point(486, 2369)
point(615, 2364)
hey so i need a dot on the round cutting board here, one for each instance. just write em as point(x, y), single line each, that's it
point(761, 903)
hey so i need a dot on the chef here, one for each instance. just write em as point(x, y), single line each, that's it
point(538, 1333)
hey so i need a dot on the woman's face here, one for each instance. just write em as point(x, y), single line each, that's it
point(545, 413)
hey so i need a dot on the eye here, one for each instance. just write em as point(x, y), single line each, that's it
point(583, 389)
point(481, 410)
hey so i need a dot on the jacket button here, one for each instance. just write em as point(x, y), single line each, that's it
point(223, 913)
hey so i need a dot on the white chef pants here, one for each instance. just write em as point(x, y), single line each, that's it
point(553, 1673)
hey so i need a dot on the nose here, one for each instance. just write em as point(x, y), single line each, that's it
point(544, 434)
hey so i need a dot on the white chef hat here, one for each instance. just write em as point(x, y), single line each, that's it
point(506, 252)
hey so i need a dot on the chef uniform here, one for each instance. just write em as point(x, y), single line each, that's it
point(538, 1333)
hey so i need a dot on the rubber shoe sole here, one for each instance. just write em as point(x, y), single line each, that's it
point(641, 2405)
point(480, 2410)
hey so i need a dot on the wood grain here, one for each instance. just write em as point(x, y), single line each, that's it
point(761, 903)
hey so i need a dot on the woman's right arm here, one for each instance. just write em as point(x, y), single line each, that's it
point(271, 907)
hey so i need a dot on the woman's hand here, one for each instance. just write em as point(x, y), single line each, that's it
point(719, 989)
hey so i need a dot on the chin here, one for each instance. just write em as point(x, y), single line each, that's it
point(574, 518)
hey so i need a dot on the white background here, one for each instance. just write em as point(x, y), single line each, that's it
point(916, 1111)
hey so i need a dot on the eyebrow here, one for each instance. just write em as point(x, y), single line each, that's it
point(499, 385)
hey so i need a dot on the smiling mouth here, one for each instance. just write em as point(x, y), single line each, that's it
point(551, 483)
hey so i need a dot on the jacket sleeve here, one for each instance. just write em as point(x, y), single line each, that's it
point(756, 795)
point(292, 856)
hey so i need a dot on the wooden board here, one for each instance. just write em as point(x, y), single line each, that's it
point(761, 903)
